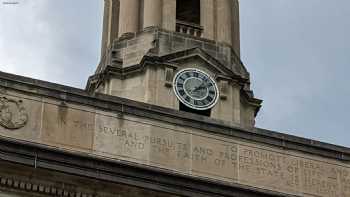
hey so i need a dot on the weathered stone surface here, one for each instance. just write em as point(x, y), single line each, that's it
point(214, 158)
point(66, 127)
point(10, 194)
point(268, 169)
point(179, 149)
point(170, 149)
point(30, 131)
point(117, 137)
point(139, 79)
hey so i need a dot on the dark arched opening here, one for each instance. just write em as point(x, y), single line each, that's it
point(188, 11)
point(190, 110)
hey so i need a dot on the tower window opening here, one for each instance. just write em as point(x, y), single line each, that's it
point(188, 17)
point(188, 11)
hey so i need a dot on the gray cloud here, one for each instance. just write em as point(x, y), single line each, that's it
point(57, 41)
point(297, 53)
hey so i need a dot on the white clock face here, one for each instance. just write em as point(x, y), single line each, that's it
point(195, 89)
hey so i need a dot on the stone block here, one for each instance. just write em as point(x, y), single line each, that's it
point(66, 127)
point(210, 46)
point(191, 43)
point(259, 167)
point(170, 149)
point(119, 138)
point(214, 158)
point(21, 117)
point(120, 44)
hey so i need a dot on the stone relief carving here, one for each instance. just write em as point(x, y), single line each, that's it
point(13, 115)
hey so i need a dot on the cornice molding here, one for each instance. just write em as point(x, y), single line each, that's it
point(33, 187)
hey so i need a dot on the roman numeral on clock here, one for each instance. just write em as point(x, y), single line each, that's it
point(182, 79)
point(206, 101)
point(209, 99)
point(182, 92)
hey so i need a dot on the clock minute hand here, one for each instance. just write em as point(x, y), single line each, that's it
point(202, 86)
point(197, 88)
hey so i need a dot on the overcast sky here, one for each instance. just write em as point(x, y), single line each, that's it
point(297, 51)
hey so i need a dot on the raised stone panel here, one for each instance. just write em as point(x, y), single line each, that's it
point(28, 123)
point(120, 138)
point(320, 179)
point(268, 169)
point(66, 127)
point(170, 149)
point(214, 158)
point(131, 88)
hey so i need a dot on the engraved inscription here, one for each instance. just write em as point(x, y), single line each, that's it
point(292, 174)
point(208, 157)
point(214, 158)
point(13, 115)
point(118, 138)
point(68, 127)
point(127, 141)
point(166, 148)
point(319, 178)
point(268, 169)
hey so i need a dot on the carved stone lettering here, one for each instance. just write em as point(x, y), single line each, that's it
point(166, 148)
point(319, 178)
point(67, 127)
point(119, 138)
point(268, 169)
point(205, 156)
point(214, 158)
point(13, 115)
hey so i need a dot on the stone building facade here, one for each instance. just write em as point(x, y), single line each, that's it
point(169, 112)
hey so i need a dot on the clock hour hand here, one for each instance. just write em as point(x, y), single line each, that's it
point(202, 86)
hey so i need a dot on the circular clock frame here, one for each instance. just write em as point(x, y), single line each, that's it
point(195, 98)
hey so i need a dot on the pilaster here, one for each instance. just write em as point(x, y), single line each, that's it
point(207, 19)
point(152, 13)
point(224, 21)
point(169, 15)
point(129, 12)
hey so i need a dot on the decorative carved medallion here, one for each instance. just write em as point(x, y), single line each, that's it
point(13, 115)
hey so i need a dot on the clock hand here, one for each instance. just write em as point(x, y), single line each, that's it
point(202, 86)
point(196, 88)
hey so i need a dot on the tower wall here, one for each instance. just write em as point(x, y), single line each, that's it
point(145, 40)
point(219, 19)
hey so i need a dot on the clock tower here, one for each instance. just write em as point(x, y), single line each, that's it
point(178, 54)
point(169, 112)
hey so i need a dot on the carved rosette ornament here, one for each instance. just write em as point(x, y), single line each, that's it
point(13, 115)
